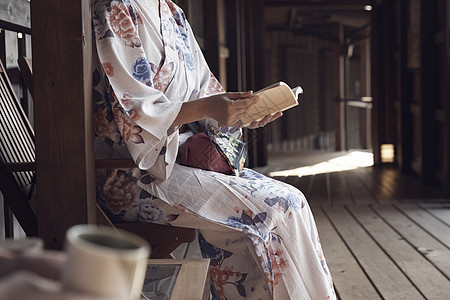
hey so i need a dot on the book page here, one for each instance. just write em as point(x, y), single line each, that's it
point(272, 100)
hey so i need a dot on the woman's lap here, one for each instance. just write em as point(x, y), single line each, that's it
point(234, 214)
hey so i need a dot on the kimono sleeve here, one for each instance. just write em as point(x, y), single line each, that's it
point(143, 113)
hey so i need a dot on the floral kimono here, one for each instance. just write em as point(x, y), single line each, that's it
point(259, 233)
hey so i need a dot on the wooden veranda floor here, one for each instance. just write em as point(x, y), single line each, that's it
point(384, 235)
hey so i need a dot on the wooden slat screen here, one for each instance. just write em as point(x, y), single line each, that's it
point(16, 143)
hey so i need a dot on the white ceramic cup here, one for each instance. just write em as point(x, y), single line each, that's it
point(105, 262)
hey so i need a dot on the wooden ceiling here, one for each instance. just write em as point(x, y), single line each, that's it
point(321, 18)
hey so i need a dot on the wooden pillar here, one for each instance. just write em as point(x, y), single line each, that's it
point(212, 46)
point(377, 61)
point(428, 91)
point(404, 149)
point(339, 117)
point(446, 95)
point(258, 69)
point(234, 62)
point(61, 41)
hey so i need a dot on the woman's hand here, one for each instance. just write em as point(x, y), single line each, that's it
point(229, 108)
point(267, 119)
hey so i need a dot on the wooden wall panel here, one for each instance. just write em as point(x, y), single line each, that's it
point(300, 60)
point(417, 53)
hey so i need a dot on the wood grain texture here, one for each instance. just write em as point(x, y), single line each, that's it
point(380, 268)
point(440, 211)
point(429, 280)
point(62, 88)
point(435, 227)
point(431, 248)
point(349, 279)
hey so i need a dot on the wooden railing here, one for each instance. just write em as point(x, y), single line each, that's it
point(15, 41)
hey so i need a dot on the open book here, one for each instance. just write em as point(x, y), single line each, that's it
point(274, 98)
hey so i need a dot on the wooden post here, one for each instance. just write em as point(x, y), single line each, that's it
point(339, 116)
point(61, 32)
point(234, 62)
point(376, 59)
point(211, 31)
point(446, 95)
point(428, 92)
point(259, 71)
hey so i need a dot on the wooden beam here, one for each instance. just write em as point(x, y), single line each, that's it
point(64, 138)
point(322, 6)
point(341, 4)
point(15, 15)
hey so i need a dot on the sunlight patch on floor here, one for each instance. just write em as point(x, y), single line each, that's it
point(350, 161)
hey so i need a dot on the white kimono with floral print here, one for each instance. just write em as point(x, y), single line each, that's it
point(258, 232)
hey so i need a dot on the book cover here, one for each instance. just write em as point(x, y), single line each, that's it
point(231, 148)
point(274, 98)
point(159, 281)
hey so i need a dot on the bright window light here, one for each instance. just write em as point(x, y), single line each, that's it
point(19, 35)
point(368, 7)
point(387, 153)
point(351, 161)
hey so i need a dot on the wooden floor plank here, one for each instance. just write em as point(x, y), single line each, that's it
point(349, 279)
point(440, 210)
point(385, 182)
point(428, 280)
point(359, 191)
point(320, 191)
point(435, 227)
point(379, 249)
point(432, 249)
point(340, 193)
point(401, 185)
point(386, 276)
point(372, 179)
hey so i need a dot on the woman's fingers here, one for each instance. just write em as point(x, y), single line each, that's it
point(267, 119)
point(239, 95)
point(244, 103)
point(276, 116)
point(260, 123)
point(229, 108)
point(253, 125)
